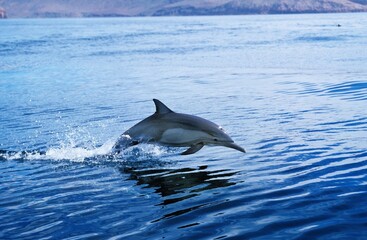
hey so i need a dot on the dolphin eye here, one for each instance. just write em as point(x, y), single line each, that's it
point(215, 140)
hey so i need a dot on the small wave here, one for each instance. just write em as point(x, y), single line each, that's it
point(350, 90)
point(27, 46)
point(318, 39)
point(323, 38)
point(353, 90)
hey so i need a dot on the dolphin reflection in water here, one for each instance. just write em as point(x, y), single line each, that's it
point(169, 128)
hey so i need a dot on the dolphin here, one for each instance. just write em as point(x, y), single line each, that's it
point(169, 128)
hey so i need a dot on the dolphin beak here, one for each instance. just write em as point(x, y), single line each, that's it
point(234, 146)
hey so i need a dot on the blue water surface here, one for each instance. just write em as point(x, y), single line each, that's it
point(290, 89)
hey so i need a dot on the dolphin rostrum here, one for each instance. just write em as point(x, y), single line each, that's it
point(169, 128)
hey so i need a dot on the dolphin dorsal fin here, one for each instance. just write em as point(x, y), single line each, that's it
point(160, 108)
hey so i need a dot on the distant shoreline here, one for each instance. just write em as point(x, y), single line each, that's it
point(159, 16)
point(153, 8)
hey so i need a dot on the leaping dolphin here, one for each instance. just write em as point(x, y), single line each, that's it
point(169, 128)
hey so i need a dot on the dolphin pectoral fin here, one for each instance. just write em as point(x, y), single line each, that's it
point(193, 149)
point(134, 143)
point(122, 143)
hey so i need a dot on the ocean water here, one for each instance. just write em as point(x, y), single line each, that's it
point(290, 89)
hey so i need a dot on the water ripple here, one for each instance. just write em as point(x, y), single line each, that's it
point(350, 90)
point(300, 112)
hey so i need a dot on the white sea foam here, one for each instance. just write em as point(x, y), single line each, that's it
point(77, 153)
point(73, 153)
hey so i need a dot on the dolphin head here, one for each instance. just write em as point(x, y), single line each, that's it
point(218, 137)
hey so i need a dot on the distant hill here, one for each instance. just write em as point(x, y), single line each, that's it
point(110, 8)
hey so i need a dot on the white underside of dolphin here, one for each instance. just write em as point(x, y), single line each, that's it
point(169, 128)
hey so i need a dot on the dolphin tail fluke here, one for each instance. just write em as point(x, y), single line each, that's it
point(193, 149)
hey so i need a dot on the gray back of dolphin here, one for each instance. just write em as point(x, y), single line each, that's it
point(169, 128)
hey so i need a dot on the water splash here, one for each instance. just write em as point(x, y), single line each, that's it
point(75, 153)
point(98, 154)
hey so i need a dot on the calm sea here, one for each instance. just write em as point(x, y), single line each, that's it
point(290, 89)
